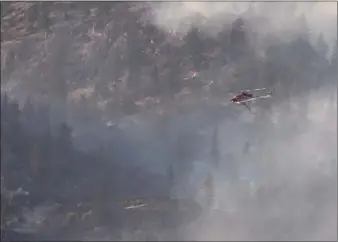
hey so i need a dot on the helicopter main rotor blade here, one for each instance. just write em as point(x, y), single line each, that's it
point(257, 89)
point(247, 90)
point(255, 98)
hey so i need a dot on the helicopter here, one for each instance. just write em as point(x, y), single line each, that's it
point(244, 97)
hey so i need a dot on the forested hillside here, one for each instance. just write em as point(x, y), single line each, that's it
point(114, 57)
point(104, 101)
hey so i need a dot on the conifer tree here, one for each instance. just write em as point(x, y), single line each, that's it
point(321, 46)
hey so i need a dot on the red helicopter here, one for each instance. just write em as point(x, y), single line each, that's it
point(246, 96)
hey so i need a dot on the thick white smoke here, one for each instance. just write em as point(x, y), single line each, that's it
point(179, 17)
point(291, 157)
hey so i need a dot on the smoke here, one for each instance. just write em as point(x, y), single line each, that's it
point(278, 17)
point(293, 158)
point(293, 148)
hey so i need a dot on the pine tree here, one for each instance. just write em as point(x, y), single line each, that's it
point(209, 185)
point(4, 103)
point(135, 55)
point(321, 46)
point(155, 87)
point(334, 63)
point(302, 28)
point(32, 13)
point(12, 125)
point(28, 114)
point(4, 124)
point(65, 136)
point(246, 149)
point(238, 40)
point(214, 147)
point(35, 159)
point(28, 107)
point(64, 146)
point(334, 57)
point(194, 45)
point(171, 178)
point(44, 20)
